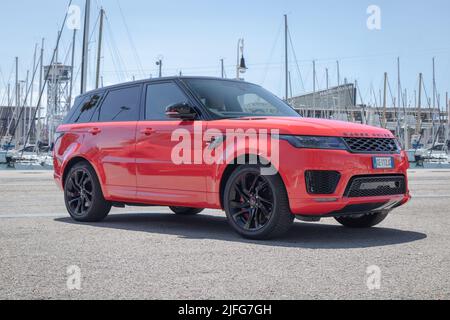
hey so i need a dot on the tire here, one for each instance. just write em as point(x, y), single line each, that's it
point(257, 206)
point(83, 195)
point(365, 221)
point(182, 211)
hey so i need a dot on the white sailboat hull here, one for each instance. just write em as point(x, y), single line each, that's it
point(3, 156)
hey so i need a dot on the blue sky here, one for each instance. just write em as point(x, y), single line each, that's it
point(193, 35)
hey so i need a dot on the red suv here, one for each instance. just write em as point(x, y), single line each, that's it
point(196, 143)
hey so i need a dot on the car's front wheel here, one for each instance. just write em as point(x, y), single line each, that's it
point(257, 205)
point(363, 221)
point(83, 195)
point(182, 211)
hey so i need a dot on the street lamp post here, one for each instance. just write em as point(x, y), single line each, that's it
point(241, 66)
point(160, 63)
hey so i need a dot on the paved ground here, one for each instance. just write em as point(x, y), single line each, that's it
point(151, 254)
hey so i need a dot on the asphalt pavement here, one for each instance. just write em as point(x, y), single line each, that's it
point(150, 253)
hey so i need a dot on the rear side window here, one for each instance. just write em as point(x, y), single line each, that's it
point(86, 110)
point(121, 105)
point(76, 106)
point(159, 97)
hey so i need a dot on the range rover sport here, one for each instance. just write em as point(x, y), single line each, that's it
point(127, 145)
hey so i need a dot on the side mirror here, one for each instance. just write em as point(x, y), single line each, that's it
point(181, 111)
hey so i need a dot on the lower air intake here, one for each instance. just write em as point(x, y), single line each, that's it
point(322, 182)
point(376, 186)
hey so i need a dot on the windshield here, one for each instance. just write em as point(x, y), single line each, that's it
point(233, 99)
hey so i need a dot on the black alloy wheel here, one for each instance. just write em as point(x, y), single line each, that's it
point(83, 195)
point(79, 191)
point(251, 201)
point(257, 205)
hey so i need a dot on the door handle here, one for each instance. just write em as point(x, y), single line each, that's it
point(147, 131)
point(95, 131)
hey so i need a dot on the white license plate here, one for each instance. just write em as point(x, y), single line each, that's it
point(383, 163)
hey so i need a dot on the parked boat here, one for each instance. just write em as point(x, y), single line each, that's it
point(29, 161)
point(3, 154)
point(430, 157)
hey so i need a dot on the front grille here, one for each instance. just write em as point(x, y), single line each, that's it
point(372, 145)
point(322, 182)
point(376, 186)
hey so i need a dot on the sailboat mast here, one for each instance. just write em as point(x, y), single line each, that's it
point(84, 60)
point(9, 95)
point(34, 67)
point(447, 104)
point(26, 106)
point(338, 73)
point(17, 104)
point(99, 51)
point(74, 38)
point(41, 89)
point(434, 83)
point(399, 96)
point(399, 83)
point(447, 111)
point(286, 56)
point(314, 88)
point(290, 86)
point(385, 101)
point(419, 106)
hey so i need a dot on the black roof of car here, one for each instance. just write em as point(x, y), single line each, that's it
point(149, 80)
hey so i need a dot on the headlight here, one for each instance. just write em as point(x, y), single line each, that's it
point(308, 142)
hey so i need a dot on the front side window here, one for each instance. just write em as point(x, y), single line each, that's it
point(159, 97)
point(233, 99)
point(121, 105)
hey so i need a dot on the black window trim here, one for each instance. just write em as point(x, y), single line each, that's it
point(204, 113)
point(188, 94)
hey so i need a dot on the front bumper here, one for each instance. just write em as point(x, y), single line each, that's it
point(349, 165)
point(346, 206)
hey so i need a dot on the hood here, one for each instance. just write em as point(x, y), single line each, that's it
point(307, 126)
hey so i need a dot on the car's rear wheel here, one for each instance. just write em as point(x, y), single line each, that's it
point(363, 221)
point(83, 195)
point(182, 211)
point(256, 205)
